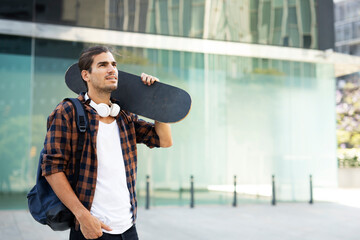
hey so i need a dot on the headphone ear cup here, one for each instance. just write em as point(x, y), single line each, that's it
point(103, 110)
point(114, 110)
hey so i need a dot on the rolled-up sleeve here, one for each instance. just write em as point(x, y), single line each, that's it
point(145, 132)
point(57, 145)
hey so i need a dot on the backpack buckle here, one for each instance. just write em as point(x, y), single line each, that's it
point(82, 124)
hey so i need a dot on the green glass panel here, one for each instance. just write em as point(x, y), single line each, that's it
point(197, 19)
point(266, 13)
point(237, 114)
point(254, 4)
point(292, 17)
point(294, 37)
point(306, 16)
point(151, 15)
point(15, 110)
point(292, 2)
point(185, 19)
point(250, 117)
point(278, 18)
point(277, 3)
point(162, 15)
point(174, 11)
point(253, 22)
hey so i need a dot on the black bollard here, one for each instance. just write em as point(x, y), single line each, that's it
point(191, 191)
point(235, 201)
point(311, 191)
point(147, 204)
point(273, 202)
point(180, 193)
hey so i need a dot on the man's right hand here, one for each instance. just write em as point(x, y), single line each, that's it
point(91, 227)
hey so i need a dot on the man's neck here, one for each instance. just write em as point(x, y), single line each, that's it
point(99, 97)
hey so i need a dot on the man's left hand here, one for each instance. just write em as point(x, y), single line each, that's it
point(148, 79)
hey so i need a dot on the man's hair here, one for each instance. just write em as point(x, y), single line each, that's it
point(87, 56)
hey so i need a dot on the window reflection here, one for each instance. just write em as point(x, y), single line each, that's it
point(284, 23)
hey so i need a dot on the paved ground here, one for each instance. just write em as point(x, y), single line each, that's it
point(293, 221)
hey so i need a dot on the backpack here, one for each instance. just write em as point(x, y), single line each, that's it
point(44, 205)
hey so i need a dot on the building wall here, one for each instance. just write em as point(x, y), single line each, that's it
point(250, 117)
point(347, 27)
point(290, 23)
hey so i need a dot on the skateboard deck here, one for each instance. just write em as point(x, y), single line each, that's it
point(160, 101)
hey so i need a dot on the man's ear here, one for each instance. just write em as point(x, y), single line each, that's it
point(85, 75)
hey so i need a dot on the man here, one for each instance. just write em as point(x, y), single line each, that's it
point(105, 201)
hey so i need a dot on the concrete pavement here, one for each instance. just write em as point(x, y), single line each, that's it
point(293, 221)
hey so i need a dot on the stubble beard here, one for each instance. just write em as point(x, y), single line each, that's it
point(106, 89)
point(103, 88)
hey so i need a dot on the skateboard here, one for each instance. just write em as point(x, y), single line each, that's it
point(160, 101)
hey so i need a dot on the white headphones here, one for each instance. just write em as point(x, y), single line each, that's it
point(103, 109)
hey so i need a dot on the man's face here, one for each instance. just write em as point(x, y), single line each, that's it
point(104, 74)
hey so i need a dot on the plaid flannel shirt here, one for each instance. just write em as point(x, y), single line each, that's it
point(61, 143)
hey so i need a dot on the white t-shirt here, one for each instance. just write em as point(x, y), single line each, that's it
point(111, 203)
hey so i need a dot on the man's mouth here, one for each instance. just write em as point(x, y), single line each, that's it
point(111, 77)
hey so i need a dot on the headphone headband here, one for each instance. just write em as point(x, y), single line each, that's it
point(103, 109)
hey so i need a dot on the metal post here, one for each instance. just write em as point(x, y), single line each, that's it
point(273, 202)
point(235, 201)
point(147, 204)
point(191, 191)
point(180, 193)
point(311, 191)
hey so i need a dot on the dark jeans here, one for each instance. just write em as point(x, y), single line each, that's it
point(130, 234)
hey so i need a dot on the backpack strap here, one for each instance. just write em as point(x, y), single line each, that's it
point(82, 124)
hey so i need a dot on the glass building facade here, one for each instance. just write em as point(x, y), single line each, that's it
point(347, 26)
point(251, 117)
point(276, 22)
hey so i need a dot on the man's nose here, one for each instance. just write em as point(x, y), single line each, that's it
point(111, 68)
